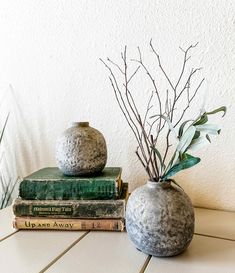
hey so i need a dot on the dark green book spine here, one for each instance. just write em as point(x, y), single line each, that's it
point(51, 184)
point(65, 190)
point(73, 208)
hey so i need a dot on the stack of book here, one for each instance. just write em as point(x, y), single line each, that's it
point(50, 200)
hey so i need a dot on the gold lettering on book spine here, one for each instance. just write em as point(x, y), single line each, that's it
point(66, 224)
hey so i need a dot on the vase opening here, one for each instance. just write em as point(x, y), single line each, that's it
point(159, 183)
point(81, 124)
point(152, 184)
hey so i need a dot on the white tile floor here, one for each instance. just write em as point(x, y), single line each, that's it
point(212, 249)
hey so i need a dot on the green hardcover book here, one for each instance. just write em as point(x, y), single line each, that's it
point(73, 208)
point(52, 184)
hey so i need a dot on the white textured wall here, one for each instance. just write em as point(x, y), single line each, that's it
point(49, 53)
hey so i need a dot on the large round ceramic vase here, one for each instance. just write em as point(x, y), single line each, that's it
point(160, 219)
point(81, 150)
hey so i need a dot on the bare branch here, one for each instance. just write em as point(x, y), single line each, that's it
point(121, 103)
point(134, 110)
point(154, 157)
point(193, 71)
point(186, 58)
point(118, 67)
point(136, 134)
point(133, 74)
point(160, 65)
point(145, 167)
point(189, 101)
point(140, 55)
point(148, 108)
point(153, 82)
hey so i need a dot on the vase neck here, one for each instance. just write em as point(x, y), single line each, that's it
point(81, 124)
point(153, 184)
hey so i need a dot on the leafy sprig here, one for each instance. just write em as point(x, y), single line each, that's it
point(147, 128)
point(198, 131)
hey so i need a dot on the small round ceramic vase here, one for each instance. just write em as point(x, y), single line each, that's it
point(160, 219)
point(81, 150)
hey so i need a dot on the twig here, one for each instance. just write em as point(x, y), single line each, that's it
point(132, 76)
point(118, 67)
point(160, 65)
point(189, 101)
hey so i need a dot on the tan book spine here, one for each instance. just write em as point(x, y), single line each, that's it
point(34, 223)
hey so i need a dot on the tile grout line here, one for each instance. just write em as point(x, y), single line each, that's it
point(145, 264)
point(213, 209)
point(4, 238)
point(64, 252)
point(216, 237)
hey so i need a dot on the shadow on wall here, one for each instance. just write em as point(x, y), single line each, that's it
point(8, 173)
point(27, 152)
point(200, 197)
point(19, 154)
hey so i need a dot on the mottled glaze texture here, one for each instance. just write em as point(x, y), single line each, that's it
point(160, 219)
point(81, 150)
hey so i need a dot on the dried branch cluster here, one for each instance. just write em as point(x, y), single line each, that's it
point(146, 128)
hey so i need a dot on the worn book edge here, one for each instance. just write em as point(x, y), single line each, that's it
point(33, 223)
point(39, 185)
point(73, 208)
point(55, 174)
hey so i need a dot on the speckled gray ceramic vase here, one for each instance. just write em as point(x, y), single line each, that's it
point(81, 150)
point(160, 219)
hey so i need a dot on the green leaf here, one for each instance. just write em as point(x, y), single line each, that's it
point(198, 143)
point(181, 129)
point(204, 117)
point(208, 138)
point(159, 157)
point(188, 162)
point(186, 139)
point(196, 135)
point(211, 129)
point(220, 109)
point(202, 120)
